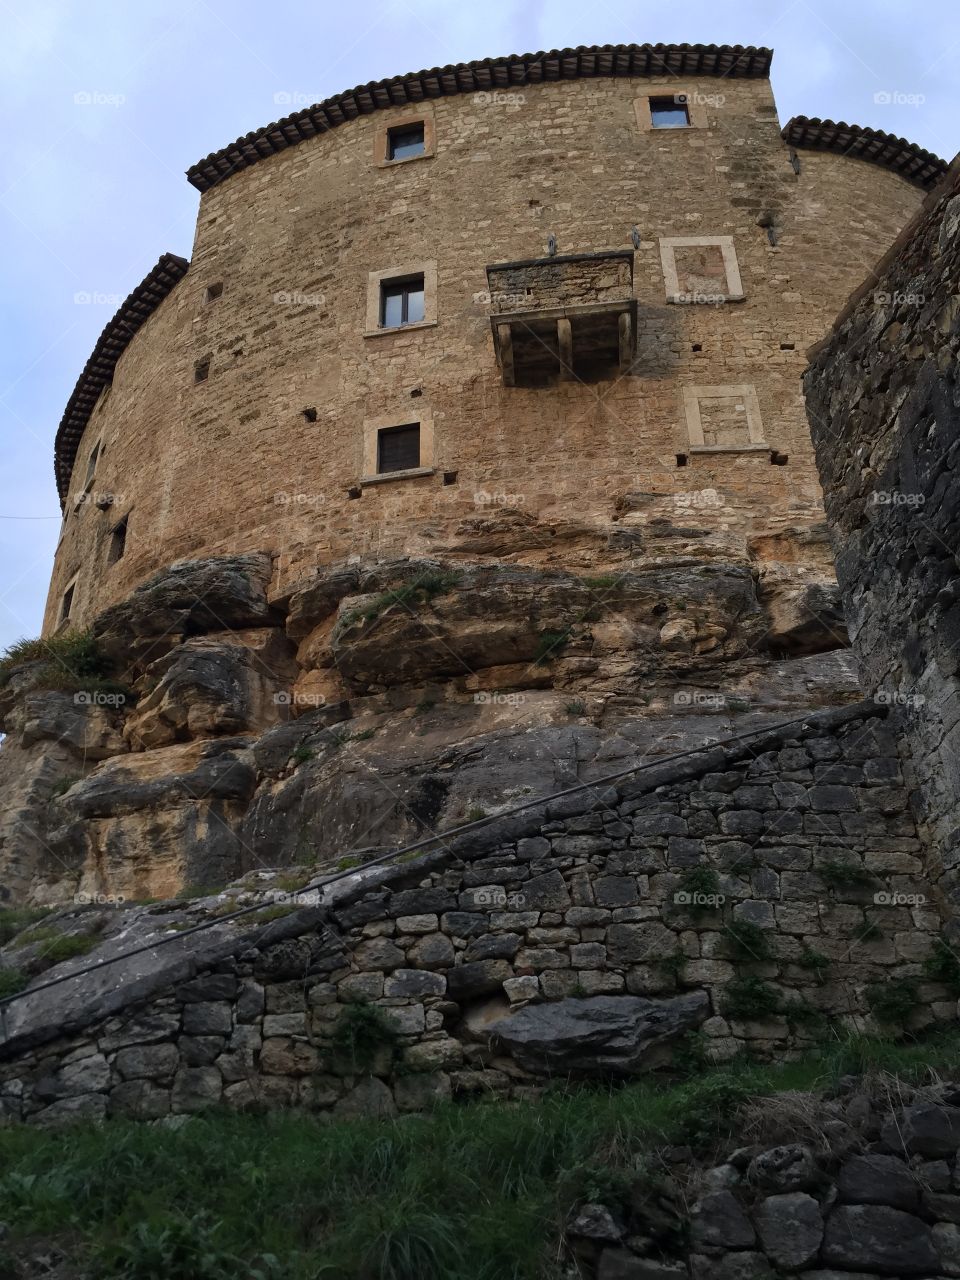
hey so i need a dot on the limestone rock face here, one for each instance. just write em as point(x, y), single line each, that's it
point(501, 615)
point(147, 824)
point(598, 1035)
point(188, 597)
point(379, 701)
point(206, 687)
point(88, 729)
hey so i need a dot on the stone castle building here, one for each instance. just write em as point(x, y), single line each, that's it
point(578, 285)
point(461, 633)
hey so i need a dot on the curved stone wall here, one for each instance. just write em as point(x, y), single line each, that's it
point(233, 463)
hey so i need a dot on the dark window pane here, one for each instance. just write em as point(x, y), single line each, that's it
point(398, 448)
point(401, 302)
point(406, 142)
point(667, 113)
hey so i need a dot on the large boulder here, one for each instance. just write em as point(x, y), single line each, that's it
point(881, 1239)
point(87, 722)
point(878, 1179)
point(790, 1229)
point(930, 1129)
point(598, 1035)
point(187, 598)
point(150, 823)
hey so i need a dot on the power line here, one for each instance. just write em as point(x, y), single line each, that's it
point(324, 881)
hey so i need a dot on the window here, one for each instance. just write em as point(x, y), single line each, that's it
point(213, 292)
point(201, 370)
point(669, 113)
point(92, 464)
point(403, 139)
point(401, 296)
point(398, 448)
point(66, 603)
point(405, 142)
point(118, 541)
point(401, 302)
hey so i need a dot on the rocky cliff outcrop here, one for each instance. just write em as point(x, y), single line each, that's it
point(240, 728)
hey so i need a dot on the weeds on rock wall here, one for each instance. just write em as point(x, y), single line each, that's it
point(750, 998)
point(843, 875)
point(412, 595)
point(893, 1002)
point(748, 940)
point(69, 661)
point(12, 982)
point(14, 920)
point(360, 1036)
point(943, 965)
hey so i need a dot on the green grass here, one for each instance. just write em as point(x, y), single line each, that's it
point(550, 644)
point(943, 965)
point(14, 920)
point(411, 594)
point(750, 998)
point(69, 660)
point(472, 1192)
point(271, 913)
point(815, 961)
point(191, 891)
point(748, 940)
point(892, 1002)
point(360, 1035)
point(61, 787)
point(58, 947)
point(12, 982)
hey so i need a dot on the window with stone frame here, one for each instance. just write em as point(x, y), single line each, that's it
point(398, 448)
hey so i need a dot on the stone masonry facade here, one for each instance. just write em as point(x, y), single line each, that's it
point(239, 416)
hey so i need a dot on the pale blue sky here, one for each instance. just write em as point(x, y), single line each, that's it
point(92, 193)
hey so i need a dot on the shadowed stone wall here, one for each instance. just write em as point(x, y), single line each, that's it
point(884, 407)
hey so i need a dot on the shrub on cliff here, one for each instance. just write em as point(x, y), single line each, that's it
point(70, 660)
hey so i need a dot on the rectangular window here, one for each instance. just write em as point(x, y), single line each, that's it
point(213, 292)
point(398, 448)
point(406, 142)
point(201, 370)
point(66, 604)
point(401, 302)
point(92, 462)
point(118, 541)
point(669, 113)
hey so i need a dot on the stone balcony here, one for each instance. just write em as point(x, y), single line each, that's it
point(563, 318)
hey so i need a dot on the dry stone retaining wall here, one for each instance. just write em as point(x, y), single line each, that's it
point(884, 407)
point(584, 938)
